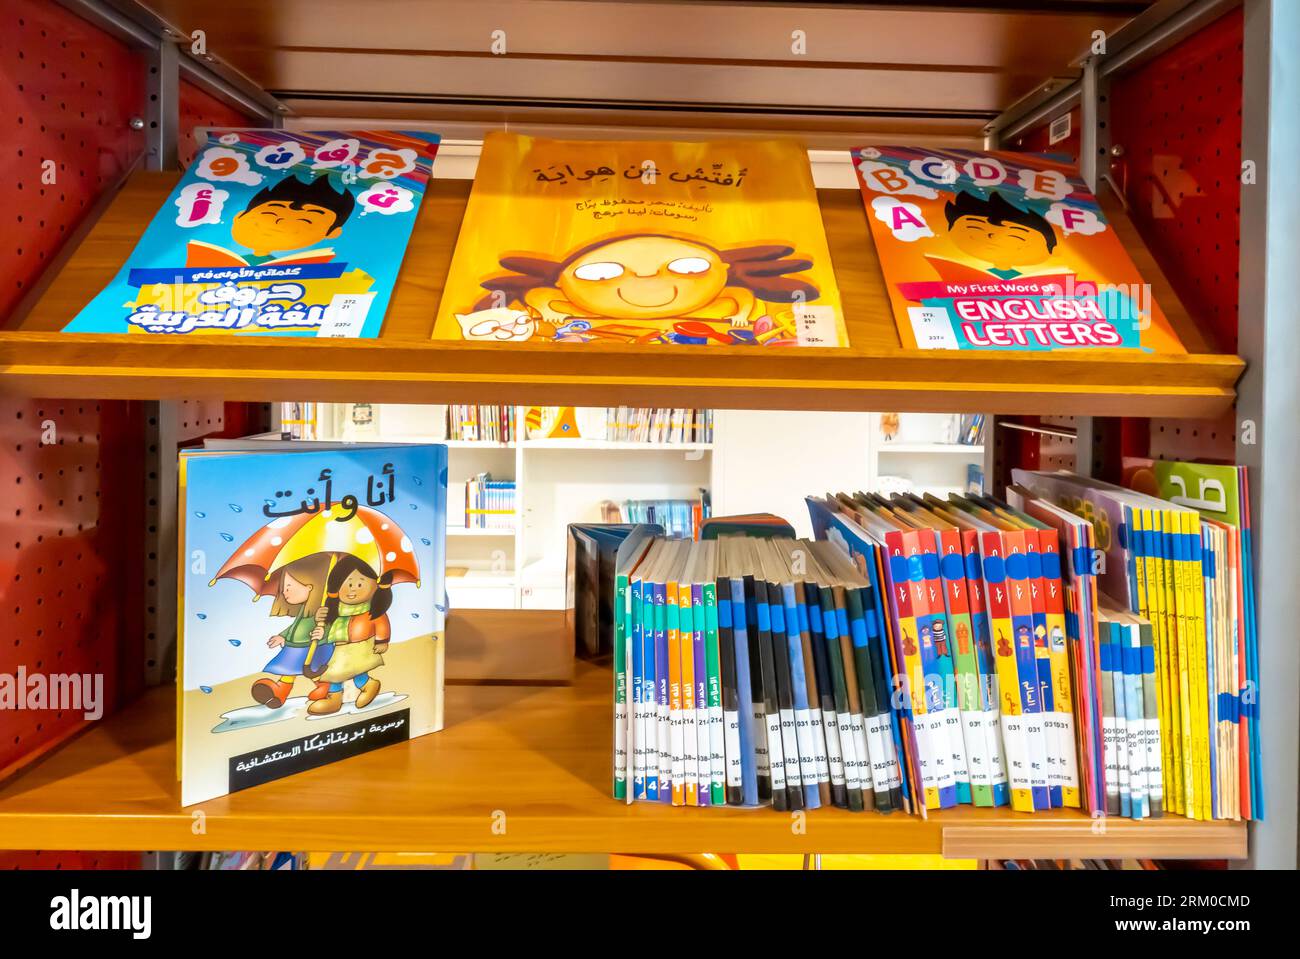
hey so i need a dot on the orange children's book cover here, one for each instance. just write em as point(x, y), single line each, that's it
point(650, 242)
point(1003, 251)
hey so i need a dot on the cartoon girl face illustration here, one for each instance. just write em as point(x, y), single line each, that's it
point(644, 277)
point(295, 593)
point(638, 278)
point(357, 588)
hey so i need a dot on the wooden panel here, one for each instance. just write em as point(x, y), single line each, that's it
point(874, 373)
point(497, 645)
point(857, 58)
point(533, 762)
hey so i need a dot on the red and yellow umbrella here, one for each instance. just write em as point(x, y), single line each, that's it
point(363, 532)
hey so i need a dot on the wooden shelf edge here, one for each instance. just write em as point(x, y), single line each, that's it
point(404, 365)
point(1200, 386)
point(1171, 837)
point(518, 769)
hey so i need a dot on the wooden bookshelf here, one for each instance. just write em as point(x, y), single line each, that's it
point(532, 760)
point(404, 365)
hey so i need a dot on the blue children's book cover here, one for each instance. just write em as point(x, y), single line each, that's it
point(311, 608)
point(277, 232)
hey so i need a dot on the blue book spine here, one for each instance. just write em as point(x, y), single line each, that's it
point(745, 695)
point(898, 704)
point(1131, 661)
point(802, 708)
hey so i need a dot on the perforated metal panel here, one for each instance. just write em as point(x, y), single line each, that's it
point(1038, 139)
point(69, 860)
point(1178, 119)
point(71, 529)
point(67, 96)
point(198, 108)
point(1195, 439)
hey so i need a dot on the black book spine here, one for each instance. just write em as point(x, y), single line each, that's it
point(730, 689)
point(763, 681)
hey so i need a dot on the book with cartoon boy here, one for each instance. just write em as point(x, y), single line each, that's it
point(311, 607)
point(643, 242)
point(274, 232)
point(1002, 251)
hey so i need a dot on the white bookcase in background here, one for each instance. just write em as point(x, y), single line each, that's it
point(759, 461)
point(924, 453)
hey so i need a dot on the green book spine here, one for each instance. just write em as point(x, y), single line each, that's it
point(717, 758)
point(620, 687)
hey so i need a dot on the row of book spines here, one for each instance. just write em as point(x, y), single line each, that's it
point(484, 424)
point(678, 517)
point(1131, 722)
point(489, 504)
point(1042, 686)
point(658, 425)
point(1169, 592)
point(676, 614)
point(801, 775)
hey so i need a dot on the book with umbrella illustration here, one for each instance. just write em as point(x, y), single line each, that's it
point(340, 651)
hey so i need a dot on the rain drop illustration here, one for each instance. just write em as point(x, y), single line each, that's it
point(227, 537)
point(439, 607)
point(206, 689)
point(200, 515)
point(415, 616)
point(413, 506)
point(426, 541)
point(201, 615)
point(234, 642)
point(419, 482)
point(235, 507)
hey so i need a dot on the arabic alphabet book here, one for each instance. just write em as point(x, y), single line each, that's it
point(311, 608)
point(274, 232)
point(1002, 251)
point(643, 242)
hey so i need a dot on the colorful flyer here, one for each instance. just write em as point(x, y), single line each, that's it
point(707, 244)
point(1002, 251)
point(274, 232)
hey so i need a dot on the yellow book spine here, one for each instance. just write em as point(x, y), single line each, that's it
point(1195, 584)
point(1186, 702)
point(1166, 669)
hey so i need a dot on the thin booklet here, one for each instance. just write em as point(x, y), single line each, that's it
point(1003, 251)
point(274, 232)
point(311, 608)
point(645, 242)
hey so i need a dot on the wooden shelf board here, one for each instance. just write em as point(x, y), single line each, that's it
point(956, 448)
point(404, 365)
point(534, 760)
point(627, 446)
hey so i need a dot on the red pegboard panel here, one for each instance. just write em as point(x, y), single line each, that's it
point(71, 558)
point(1178, 119)
point(1036, 140)
point(69, 860)
point(198, 108)
point(72, 519)
point(67, 95)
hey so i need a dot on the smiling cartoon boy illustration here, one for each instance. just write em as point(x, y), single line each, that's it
point(292, 215)
point(996, 232)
